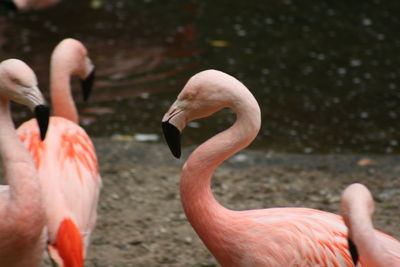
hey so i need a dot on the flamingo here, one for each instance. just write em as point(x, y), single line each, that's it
point(24, 5)
point(357, 207)
point(250, 238)
point(66, 160)
point(21, 210)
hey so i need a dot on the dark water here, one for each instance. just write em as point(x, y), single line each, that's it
point(326, 73)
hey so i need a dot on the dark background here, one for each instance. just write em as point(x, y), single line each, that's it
point(326, 74)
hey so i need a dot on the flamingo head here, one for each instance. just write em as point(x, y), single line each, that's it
point(19, 84)
point(71, 55)
point(356, 200)
point(204, 94)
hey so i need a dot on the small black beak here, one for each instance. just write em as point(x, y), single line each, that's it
point(173, 137)
point(9, 4)
point(42, 113)
point(353, 251)
point(87, 85)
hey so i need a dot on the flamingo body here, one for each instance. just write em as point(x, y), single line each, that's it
point(66, 161)
point(69, 176)
point(22, 235)
point(252, 238)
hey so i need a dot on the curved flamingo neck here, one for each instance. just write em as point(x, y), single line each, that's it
point(20, 172)
point(11, 148)
point(202, 209)
point(61, 95)
point(364, 236)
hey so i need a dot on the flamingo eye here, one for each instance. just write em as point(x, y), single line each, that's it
point(189, 96)
point(18, 82)
point(15, 80)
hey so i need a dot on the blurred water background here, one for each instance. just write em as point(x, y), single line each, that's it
point(325, 73)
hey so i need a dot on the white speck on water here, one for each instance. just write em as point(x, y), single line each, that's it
point(331, 12)
point(265, 71)
point(355, 62)
point(392, 114)
point(394, 142)
point(269, 21)
point(248, 51)
point(307, 70)
point(194, 124)
point(342, 71)
point(367, 75)
point(364, 115)
point(356, 80)
point(241, 33)
point(380, 36)
point(367, 22)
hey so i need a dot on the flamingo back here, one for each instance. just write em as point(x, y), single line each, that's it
point(69, 175)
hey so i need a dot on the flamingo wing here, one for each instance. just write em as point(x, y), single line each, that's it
point(68, 169)
point(293, 236)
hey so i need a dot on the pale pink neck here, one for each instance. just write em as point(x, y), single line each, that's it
point(19, 168)
point(61, 95)
point(202, 210)
point(364, 236)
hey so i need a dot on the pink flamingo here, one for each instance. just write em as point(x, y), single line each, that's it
point(24, 5)
point(357, 207)
point(21, 210)
point(264, 237)
point(67, 160)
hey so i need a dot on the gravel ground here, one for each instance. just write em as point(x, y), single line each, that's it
point(141, 222)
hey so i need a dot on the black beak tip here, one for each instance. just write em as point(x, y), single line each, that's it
point(87, 85)
point(173, 137)
point(9, 4)
point(42, 116)
point(353, 251)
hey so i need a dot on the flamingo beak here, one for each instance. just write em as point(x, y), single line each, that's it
point(9, 4)
point(42, 113)
point(87, 84)
point(173, 137)
point(353, 251)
